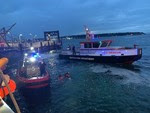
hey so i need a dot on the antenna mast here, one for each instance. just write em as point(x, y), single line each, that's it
point(88, 33)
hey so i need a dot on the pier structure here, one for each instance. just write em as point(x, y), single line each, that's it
point(39, 45)
point(51, 41)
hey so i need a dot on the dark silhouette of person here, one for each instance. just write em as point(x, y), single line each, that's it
point(135, 45)
point(42, 66)
point(73, 50)
point(20, 47)
point(67, 75)
point(23, 72)
point(60, 77)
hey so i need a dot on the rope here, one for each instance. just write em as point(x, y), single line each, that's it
point(10, 93)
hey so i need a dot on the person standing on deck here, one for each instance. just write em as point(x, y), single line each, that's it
point(74, 50)
point(42, 66)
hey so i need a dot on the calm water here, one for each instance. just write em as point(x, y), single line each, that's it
point(93, 89)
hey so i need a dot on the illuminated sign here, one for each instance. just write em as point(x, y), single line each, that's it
point(51, 35)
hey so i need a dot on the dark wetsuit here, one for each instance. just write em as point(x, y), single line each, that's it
point(73, 50)
point(42, 68)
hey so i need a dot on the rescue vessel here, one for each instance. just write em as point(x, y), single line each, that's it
point(102, 52)
point(29, 74)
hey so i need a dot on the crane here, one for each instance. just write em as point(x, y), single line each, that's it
point(4, 32)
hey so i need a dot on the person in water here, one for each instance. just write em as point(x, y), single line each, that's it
point(42, 66)
point(67, 75)
point(60, 77)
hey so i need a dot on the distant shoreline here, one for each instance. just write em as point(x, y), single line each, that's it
point(105, 35)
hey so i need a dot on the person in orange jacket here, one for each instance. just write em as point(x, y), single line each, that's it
point(11, 83)
point(3, 62)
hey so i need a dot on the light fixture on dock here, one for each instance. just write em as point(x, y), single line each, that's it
point(51, 51)
point(32, 48)
point(26, 54)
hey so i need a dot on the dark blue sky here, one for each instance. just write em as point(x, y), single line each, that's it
point(69, 16)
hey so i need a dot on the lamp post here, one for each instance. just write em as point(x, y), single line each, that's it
point(11, 38)
point(34, 37)
point(20, 35)
point(31, 36)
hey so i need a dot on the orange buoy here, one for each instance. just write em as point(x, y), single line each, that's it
point(4, 91)
point(3, 62)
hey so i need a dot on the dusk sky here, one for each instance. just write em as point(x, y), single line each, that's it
point(69, 16)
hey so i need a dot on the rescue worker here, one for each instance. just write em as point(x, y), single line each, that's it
point(74, 50)
point(42, 66)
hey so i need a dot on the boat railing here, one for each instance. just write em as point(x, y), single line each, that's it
point(67, 51)
point(8, 48)
point(4, 108)
point(116, 47)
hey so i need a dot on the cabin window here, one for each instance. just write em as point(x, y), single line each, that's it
point(82, 46)
point(87, 45)
point(104, 44)
point(95, 45)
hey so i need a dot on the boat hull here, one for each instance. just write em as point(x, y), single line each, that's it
point(35, 82)
point(103, 59)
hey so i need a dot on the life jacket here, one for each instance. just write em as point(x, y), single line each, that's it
point(4, 91)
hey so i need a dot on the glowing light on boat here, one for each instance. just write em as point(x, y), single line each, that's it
point(32, 59)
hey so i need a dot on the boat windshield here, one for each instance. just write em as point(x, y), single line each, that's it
point(30, 68)
point(33, 70)
point(105, 43)
point(97, 44)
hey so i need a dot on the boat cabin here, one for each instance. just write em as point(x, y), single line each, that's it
point(29, 69)
point(105, 43)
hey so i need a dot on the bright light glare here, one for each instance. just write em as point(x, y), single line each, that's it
point(32, 48)
point(25, 54)
point(51, 51)
point(32, 59)
point(35, 56)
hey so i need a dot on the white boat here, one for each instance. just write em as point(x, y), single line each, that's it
point(4, 108)
point(102, 52)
